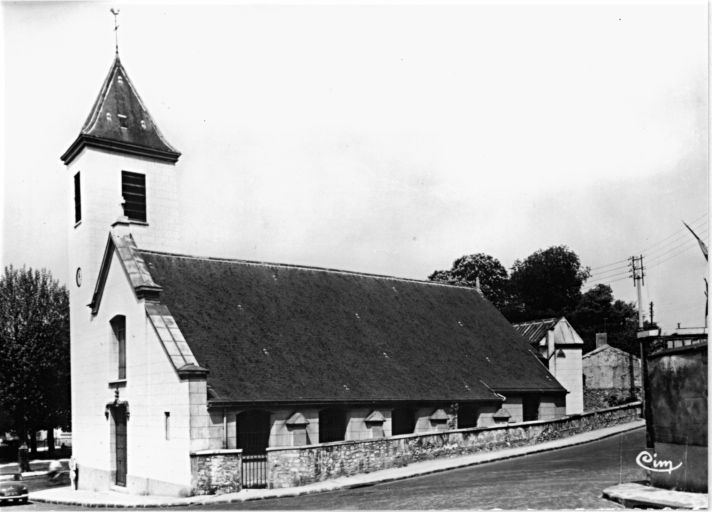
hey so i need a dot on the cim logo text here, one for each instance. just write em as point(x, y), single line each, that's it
point(651, 462)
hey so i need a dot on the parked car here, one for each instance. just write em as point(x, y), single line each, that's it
point(13, 491)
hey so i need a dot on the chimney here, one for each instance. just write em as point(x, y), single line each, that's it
point(601, 339)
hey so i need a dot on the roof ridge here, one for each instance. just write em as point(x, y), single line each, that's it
point(303, 267)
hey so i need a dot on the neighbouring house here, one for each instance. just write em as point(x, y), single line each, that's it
point(675, 385)
point(182, 363)
point(559, 347)
point(610, 376)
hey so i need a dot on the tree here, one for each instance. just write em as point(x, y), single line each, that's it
point(34, 351)
point(548, 283)
point(598, 311)
point(465, 271)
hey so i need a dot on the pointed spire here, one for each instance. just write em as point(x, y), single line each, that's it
point(120, 122)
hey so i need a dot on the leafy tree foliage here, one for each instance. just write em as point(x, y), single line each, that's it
point(34, 351)
point(599, 311)
point(465, 271)
point(548, 283)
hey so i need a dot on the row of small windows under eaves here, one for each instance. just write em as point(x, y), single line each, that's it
point(133, 192)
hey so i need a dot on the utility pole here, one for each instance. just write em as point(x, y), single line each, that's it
point(652, 320)
point(638, 275)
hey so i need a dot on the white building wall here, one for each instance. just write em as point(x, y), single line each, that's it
point(485, 416)
point(569, 373)
point(514, 406)
point(155, 465)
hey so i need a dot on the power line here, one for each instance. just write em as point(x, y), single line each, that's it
point(653, 247)
point(609, 264)
point(609, 279)
point(690, 243)
point(593, 285)
point(682, 236)
point(695, 221)
point(672, 256)
point(608, 273)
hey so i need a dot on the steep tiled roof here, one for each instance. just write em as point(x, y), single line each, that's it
point(144, 287)
point(268, 332)
point(119, 121)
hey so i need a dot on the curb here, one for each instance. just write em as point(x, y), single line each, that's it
point(335, 485)
point(644, 496)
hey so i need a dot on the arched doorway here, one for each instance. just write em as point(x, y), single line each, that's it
point(252, 432)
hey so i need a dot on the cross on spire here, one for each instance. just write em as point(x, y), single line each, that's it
point(115, 12)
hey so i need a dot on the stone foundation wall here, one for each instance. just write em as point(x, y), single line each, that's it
point(289, 467)
point(216, 471)
point(594, 399)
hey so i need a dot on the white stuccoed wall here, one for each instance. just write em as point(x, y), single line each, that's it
point(155, 465)
point(569, 373)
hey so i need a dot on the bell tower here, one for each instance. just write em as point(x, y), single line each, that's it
point(121, 174)
point(119, 168)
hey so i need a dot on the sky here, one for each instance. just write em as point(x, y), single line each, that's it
point(386, 138)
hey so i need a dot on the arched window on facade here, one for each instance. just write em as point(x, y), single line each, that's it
point(118, 326)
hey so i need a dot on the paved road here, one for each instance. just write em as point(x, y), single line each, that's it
point(567, 478)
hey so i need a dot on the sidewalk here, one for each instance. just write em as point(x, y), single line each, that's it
point(643, 496)
point(68, 496)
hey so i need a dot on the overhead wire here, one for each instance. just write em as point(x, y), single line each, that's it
point(652, 248)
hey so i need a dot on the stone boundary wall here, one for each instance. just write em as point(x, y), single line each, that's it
point(216, 471)
point(601, 398)
point(290, 467)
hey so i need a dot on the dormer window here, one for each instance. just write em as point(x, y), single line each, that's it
point(143, 124)
point(123, 121)
point(120, 79)
point(108, 116)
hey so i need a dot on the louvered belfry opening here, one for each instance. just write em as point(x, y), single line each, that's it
point(133, 190)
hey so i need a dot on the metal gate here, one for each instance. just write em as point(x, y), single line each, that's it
point(254, 471)
point(253, 431)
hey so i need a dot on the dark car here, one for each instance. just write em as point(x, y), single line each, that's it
point(13, 491)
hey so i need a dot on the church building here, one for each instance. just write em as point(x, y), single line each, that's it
point(178, 358)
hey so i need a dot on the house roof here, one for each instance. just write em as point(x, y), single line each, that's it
point(278, 333)
point(605, 348)
point(535, 331)
point(120, 122)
